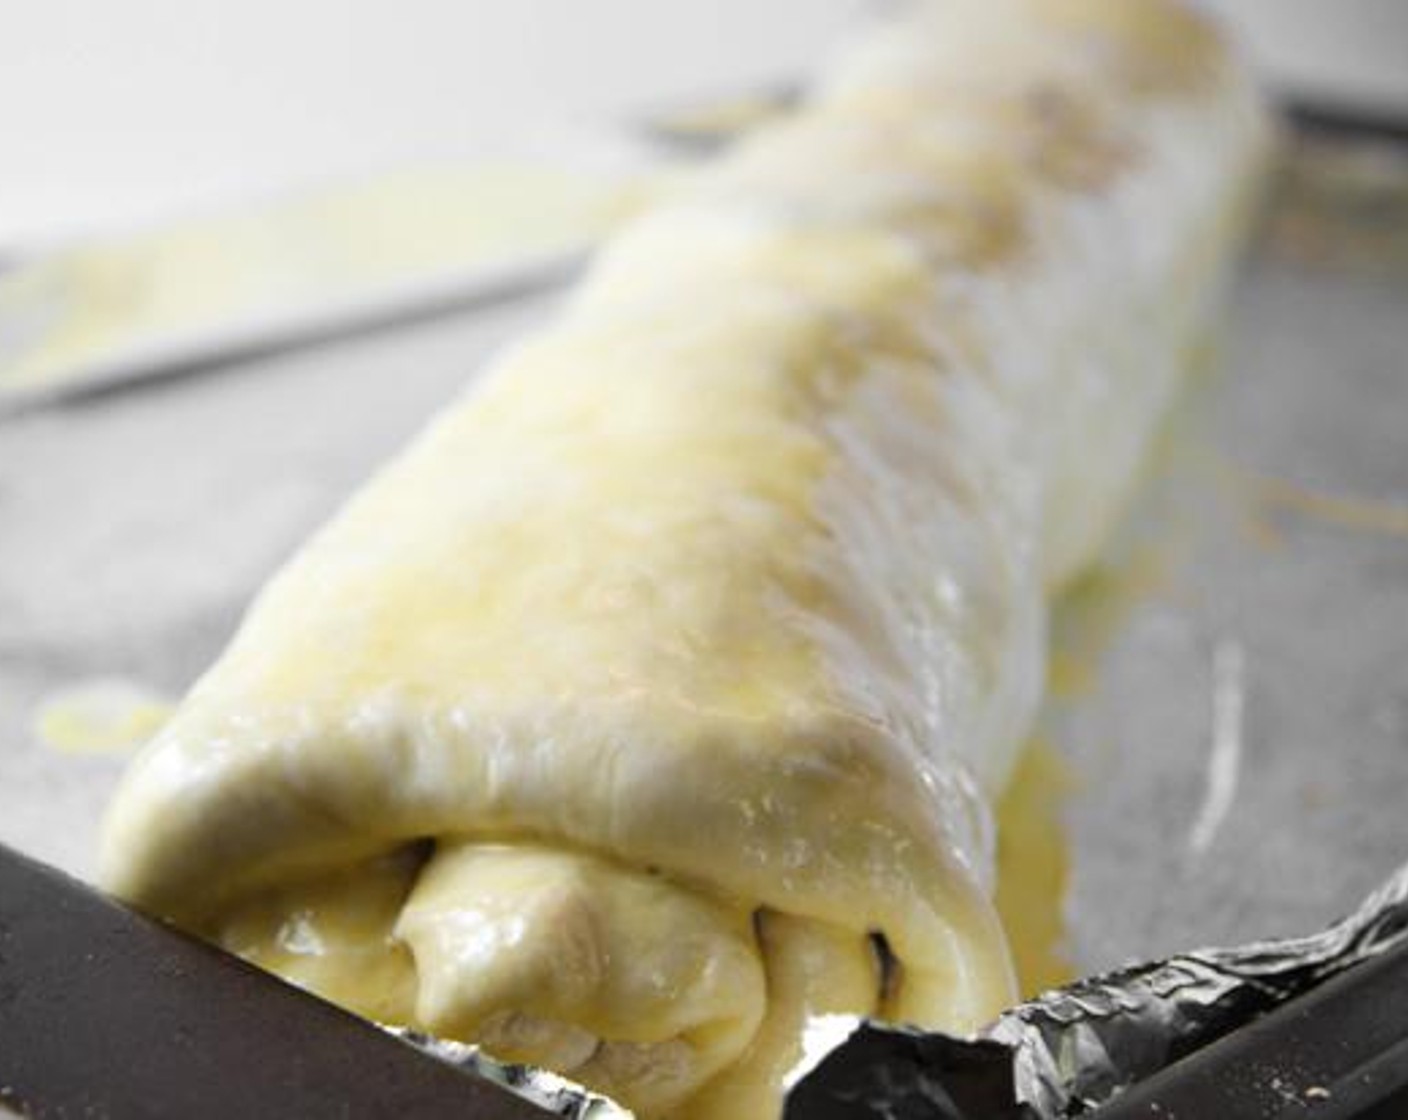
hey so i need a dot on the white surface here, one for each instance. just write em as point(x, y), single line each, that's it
point(1352, 51)
point(114, 113)
point(119, 112)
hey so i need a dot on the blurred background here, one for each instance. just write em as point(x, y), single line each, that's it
point(131, 111)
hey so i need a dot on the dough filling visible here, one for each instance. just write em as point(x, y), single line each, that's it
point(633, 984)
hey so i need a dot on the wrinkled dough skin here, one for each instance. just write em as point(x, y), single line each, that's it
point(609, 721)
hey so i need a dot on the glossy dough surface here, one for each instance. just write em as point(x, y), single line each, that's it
point(609, 721)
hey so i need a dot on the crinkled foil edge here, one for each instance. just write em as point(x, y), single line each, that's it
point(1073, 1049)
point(547, 1090)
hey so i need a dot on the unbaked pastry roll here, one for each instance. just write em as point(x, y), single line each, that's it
point(650, 705)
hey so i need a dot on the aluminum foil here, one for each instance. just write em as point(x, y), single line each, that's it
point(1073, 1049)
point(553, 1094)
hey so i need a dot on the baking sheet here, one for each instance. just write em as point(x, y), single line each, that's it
point(1229, 709)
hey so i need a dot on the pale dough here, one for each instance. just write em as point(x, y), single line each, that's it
point(609, 721)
